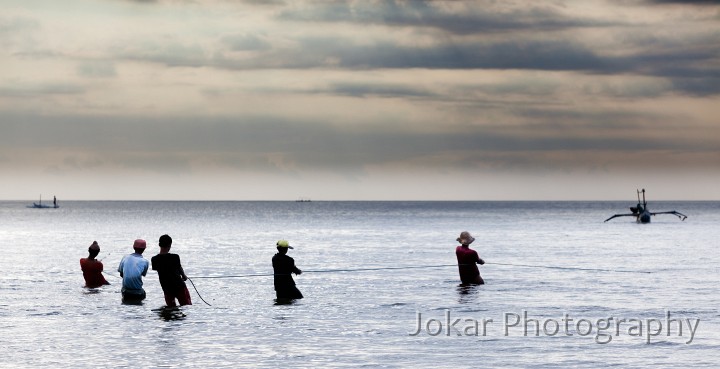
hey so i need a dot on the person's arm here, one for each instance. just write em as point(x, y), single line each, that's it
point(120, 267)
point(180, 269)
point(295, 269)
point(479, 260)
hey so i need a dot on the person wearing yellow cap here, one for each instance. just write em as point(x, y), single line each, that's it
point(283, 267)
point(92, 268)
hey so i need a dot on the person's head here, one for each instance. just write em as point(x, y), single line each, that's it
point(93, 250)
point(465, 238)
point(283, 246)
point(165, 241)
point(139, 246)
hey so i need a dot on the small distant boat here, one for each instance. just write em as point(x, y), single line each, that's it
point(40, 205)
point(303, 200)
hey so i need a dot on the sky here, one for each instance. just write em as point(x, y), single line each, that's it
point(359, 100)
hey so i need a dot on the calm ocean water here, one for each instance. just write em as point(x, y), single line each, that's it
point(563, 288)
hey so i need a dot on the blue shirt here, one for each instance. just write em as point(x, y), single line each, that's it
point(133, 267)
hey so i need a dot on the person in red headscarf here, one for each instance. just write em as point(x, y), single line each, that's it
point(92, 268)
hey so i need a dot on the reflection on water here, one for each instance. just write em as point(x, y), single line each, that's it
point(467, 292)
point(170, 313)
point(91, 291)
point(130, 300)
point(282, 301)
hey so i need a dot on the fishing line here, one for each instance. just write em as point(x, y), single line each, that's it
point(198, 292)
point(400, 268)
point(573, 268)
point(191, 282)
point(425, 266)
point(329, 271)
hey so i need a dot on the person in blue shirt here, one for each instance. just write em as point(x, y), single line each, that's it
point(132, 268)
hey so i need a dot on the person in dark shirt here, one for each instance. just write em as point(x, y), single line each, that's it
point(283, 267)
point(467, 260)
point(171, 274)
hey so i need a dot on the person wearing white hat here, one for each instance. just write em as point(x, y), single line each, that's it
point(283, 267)
point(467, 260)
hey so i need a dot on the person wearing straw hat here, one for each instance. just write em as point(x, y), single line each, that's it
point(132, 268)
point(92, 268)
point(283, 267)
point(467, 260)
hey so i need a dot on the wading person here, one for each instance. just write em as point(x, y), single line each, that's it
point(467, 260)
point(92, 268)
point(171, 274)
point(132, 268)
point(283, 267)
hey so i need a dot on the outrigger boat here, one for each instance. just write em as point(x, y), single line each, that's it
point(40, 205)
point(641, 212)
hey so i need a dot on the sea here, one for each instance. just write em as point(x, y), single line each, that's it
point(381, 286)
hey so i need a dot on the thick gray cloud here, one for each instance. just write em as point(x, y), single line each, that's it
point(692, 71)
point(323, 145)
point(377, 90)
point(472, 18)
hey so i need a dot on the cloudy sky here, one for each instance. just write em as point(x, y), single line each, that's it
point(359, 100)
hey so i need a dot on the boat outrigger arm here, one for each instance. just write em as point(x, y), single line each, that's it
point(676, 213)
point(642, 214)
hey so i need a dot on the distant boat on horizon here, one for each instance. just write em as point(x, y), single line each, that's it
point(40, 205)
point(303, 200)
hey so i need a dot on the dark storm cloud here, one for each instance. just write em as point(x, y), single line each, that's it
point(377, 90)
point(542, 55)
point(318, 144)
point(475, 18)
point(340, 53)
point(693, 72)
point(689, 63)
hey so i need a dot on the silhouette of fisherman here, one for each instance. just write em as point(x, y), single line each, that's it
point(283, 267)
point(467, 260)
point(171, 274)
